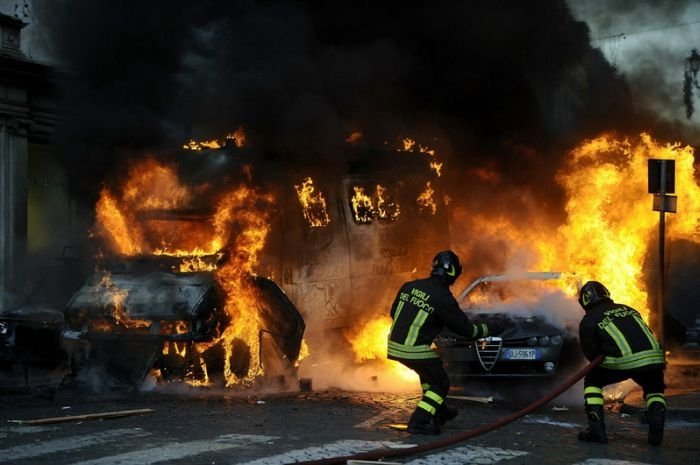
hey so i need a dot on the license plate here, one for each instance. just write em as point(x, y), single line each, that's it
point(521, 354)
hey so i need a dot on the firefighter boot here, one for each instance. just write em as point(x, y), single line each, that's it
point(596, 425)
point(656, 415)
point(444, 414)
point(421, 422)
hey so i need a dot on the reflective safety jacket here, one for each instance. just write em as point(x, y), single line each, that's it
point(618, 332)
point(421, 310)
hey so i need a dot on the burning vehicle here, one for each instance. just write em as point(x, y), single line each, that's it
point(141, 317)
point(537, 342)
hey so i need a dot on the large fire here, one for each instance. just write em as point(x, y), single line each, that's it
point(609, 232)
point(239, 225)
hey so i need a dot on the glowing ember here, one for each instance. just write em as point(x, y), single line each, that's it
point(362, 209)
point(386, 208)
point(238, 138)
point(313, 204)
point(379, 205)
point(437, 167)
point(426, 200)
point(201, 145)
point(354, 137)
point(117, 297)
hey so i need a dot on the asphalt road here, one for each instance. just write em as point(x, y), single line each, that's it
point(198, 426)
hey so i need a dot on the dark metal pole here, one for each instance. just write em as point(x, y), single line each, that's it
point(662, 277)
point(662, 259)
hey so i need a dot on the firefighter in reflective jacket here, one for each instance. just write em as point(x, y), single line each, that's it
point(420, 311)
point(630, 351)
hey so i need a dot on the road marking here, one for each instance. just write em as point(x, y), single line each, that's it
point(545, 420)
point(374, 420)
point(609, 462)
point(326, 451)
point(469, 454)
point(6, 432)
point(183, 450)
point(69, 443)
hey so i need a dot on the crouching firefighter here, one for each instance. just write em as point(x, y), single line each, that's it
point(421, 310)
point(630, 350)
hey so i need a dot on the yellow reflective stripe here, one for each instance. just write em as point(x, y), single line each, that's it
point(645, 329)
point(619, 339)
point(433, 396)
point(415, 327)
point(426, 406)
point(640, 359)
point(656, 397)
point(410, 352)
point(396, 315)
point(475, 331)
point(425, 386)
point(592, 390)
point(484, 329)
point(593, 395)
point(595, 401)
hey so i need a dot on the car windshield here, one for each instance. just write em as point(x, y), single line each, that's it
point(533, 294)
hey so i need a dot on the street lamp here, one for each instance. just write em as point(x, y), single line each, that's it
point(690, 81)
point(693, 62)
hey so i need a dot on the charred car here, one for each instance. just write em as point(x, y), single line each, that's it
point(30, 341)
point(539, 320)
point(130, 321)
point(138, 316)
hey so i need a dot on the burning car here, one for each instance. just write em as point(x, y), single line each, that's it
point(538, 318)
point(141, 318)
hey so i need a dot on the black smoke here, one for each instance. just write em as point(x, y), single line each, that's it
point(505, 86)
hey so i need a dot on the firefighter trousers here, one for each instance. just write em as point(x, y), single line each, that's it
point(434, 382)
point(651, 380)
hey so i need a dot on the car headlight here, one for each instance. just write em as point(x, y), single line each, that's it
point(4, 328)
point(543, 340)
point(532, 341)
point(555, 340)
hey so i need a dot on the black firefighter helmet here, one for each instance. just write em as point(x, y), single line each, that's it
point(446, 263)
point(592, 293)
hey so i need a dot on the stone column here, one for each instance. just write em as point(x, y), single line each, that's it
point(13, 210)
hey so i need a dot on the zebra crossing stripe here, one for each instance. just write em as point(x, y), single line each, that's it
point(609, 462)
point(468, 454)
point(326, 451)
point(52, 446)
point(9, 431)
point(176, 451)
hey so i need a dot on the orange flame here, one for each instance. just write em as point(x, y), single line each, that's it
point(608, 232)
point(313, 203)
point(239, 225)
point(426, 200)
point(238, 138)
point(369, 343)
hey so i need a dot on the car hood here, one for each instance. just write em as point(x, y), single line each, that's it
point(517, 326)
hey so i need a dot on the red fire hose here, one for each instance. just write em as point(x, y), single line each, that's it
point(385, 453)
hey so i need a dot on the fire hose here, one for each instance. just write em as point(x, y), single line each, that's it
point(386, 453)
